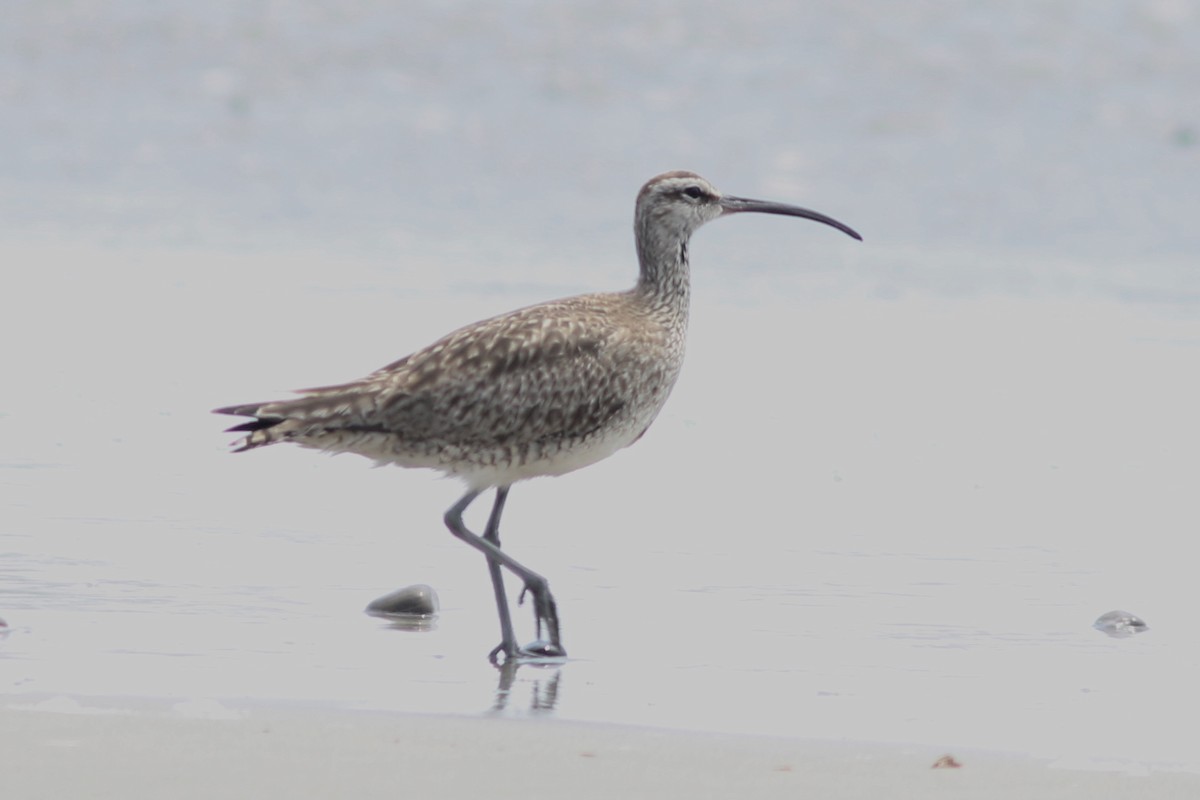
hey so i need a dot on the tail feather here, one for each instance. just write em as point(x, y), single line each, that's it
point(243, 410)
point(255, 425)
point(332, 408)
point(263, 423)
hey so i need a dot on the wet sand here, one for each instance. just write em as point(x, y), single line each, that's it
point(970, 437)
point(63, 747)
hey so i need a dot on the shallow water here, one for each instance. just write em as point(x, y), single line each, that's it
point(895, 486)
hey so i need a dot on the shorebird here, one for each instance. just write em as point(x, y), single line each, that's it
point(543, 390)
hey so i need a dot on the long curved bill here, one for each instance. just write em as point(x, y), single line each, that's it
point(740, 205)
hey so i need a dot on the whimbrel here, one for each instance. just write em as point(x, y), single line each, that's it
point(543, 390)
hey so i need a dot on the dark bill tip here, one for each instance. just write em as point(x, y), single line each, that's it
point(740, 205)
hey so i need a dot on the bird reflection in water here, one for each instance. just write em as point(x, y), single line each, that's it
point(545, 679)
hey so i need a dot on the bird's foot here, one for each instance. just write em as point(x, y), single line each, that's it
point(504, 649)
point(545, 610)
point(535, 652)
point(542, 650)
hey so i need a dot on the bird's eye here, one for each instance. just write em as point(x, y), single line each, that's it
point(694, 192)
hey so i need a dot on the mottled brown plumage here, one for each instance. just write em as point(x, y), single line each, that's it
point(539, 391)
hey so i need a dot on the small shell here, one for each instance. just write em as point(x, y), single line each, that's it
point(1120, 624)
point(418, 601)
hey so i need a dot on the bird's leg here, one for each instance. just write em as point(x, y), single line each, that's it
point(508, 642)
point(545, 609)
point(492, 534)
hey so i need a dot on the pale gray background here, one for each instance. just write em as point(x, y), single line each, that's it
point(894, 487)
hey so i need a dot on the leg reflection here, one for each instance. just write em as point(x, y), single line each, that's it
point(544, 690)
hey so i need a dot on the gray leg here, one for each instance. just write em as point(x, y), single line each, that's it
point(544, 608)
point(508, 642)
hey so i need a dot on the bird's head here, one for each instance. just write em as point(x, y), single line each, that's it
point(673, 205)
